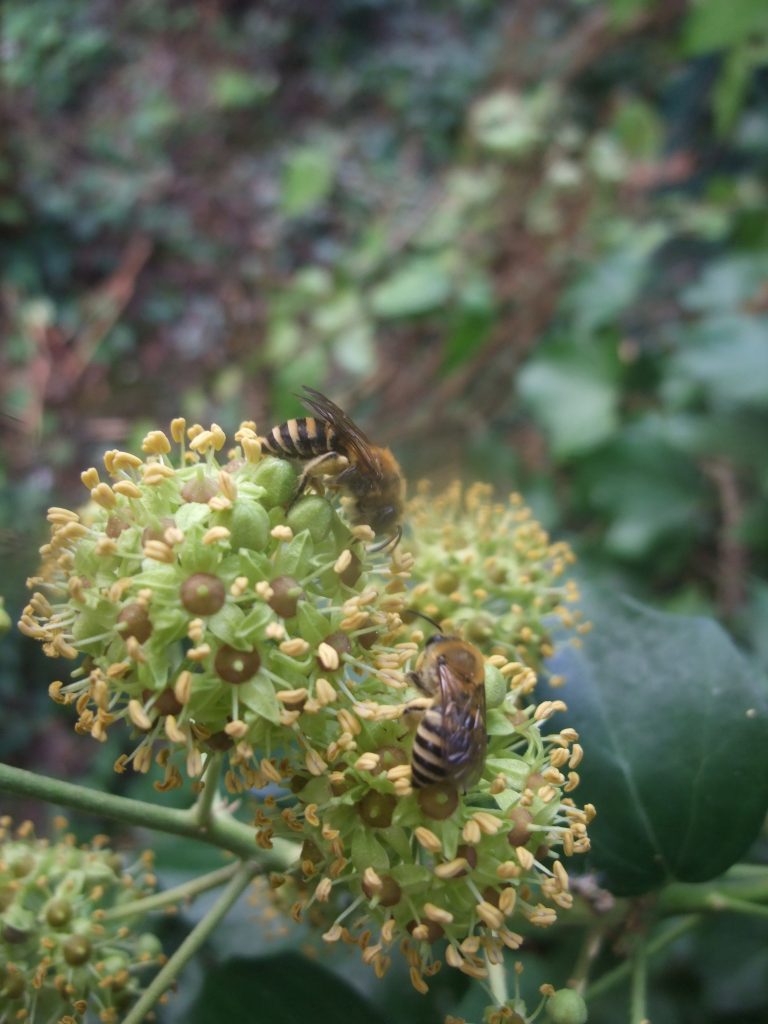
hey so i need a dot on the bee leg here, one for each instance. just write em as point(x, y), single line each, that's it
point(327, 464)
point(415, 679)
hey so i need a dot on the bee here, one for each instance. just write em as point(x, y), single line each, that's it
point(331, 445)
point(450, 741)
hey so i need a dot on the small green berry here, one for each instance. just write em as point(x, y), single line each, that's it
point(76, 950)
point(313, 514)
point(278, 478)
point(566, 1007)
point(495, 687)
point(249, 526)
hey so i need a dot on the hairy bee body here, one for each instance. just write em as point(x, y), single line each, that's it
point(334, 447)
point(305, 437)
point(450, 741)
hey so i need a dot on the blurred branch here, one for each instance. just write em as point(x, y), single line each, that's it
point(106, 305)
point(732, 568)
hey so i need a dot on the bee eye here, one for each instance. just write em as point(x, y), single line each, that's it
point(386, 517)
point(436, 638)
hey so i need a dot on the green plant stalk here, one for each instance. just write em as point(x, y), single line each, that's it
point(209, 791)
point(733, 888)
point(497, 979)
point(193, 942)
point(613, 978)
point(590, 948)
point(185, 891)
point(639, 987)
point(222, 831)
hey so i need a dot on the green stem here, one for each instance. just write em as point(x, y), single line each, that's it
point(590, 947)
point(719, 901)
point(223, 831)
point(613, 978)
point(193, 942)
point(204, 806)
point(639, 987)
point(185, 891)
point(681, 897)
point(497, 978)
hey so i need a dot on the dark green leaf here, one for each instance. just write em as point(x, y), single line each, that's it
point(282, 989)
point(674, 724)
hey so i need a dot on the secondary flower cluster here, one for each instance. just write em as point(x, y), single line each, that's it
point(217, 614)
point(65, 940)
point(487, 570)
point(432, 869)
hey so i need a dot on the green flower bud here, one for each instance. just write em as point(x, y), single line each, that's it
point(566, 1006)
point(495, 687)
point(58, 913)
point(76, 950)
point(5, 618)
point(249, 526)
point(311, 513)
point(278, 478)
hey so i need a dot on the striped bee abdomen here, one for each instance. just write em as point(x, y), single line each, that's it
point(428, 753)
point(300, 438)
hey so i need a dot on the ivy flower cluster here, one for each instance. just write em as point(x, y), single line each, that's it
point(68, 941)
point(488, 570)
point(219, 616)
point(213, 613)
point(431, 871)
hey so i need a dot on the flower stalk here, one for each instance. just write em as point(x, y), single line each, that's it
point(223, 830)
point(194, 941)
point(178, 894)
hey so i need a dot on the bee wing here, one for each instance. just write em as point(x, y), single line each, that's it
point(463, 708)
point(351, 436)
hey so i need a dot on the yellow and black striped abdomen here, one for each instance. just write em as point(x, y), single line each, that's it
point(302, 438)
point(428, 753)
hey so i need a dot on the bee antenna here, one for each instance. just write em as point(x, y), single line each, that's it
point(409, 614)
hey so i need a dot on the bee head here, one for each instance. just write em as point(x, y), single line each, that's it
point(437, 638)
point(385, 519)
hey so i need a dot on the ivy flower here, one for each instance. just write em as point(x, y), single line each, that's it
point(65, 945)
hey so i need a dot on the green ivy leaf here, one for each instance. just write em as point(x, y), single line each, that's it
point(419, 286)
point(714, 26)
point(724, 356)
point(290, 988)
point(307, 179)
point(574, 398)
point(367, 851)
point(674, 725)
point(259, 695)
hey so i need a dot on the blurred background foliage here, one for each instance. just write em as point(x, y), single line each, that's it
point(519, 242)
